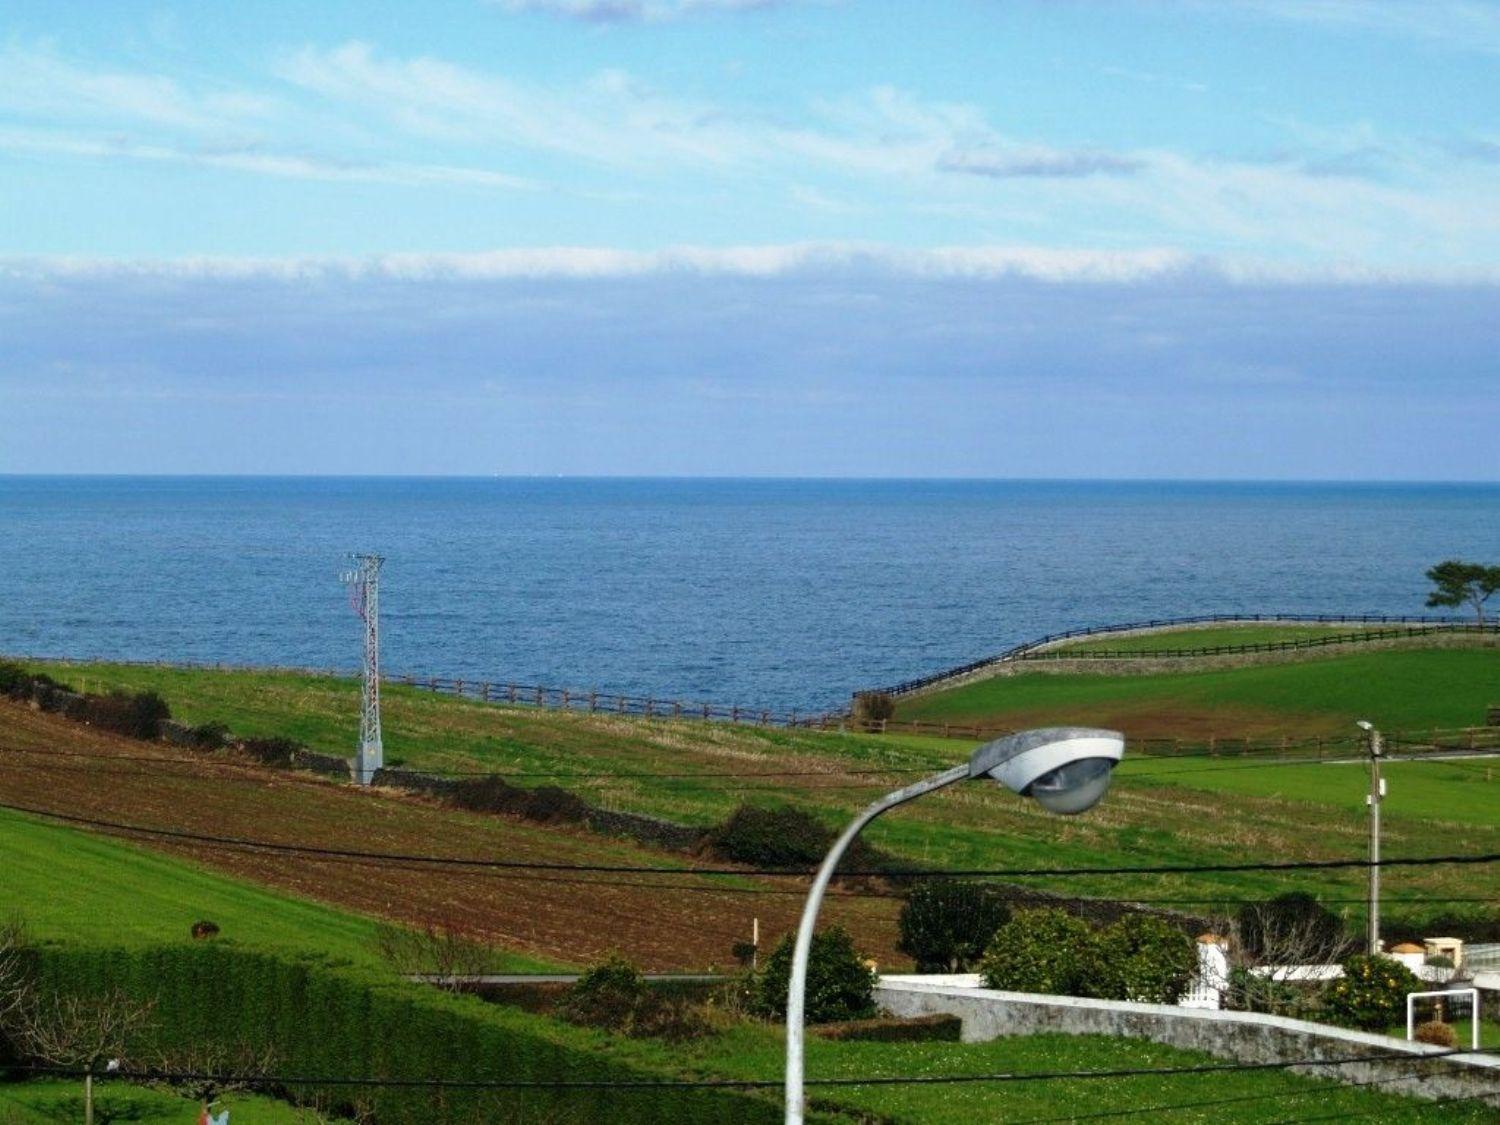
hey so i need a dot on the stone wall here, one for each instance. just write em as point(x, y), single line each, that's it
point(1239, 1036)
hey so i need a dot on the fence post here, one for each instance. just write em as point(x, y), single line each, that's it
point(565, 699)
point(541, 697)
point(649, 704)
point(593, 702)
point(734, 714)
point(511, 689)
point(486, 691)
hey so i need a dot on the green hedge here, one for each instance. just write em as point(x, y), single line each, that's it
point(327, 1020)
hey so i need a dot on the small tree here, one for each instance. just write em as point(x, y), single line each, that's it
point(1457, 583)
point(946, 924)
point(840, 986)
point(81, 1031)
point(1371, 995)
point(1046, 950)
point(1289, 930)
point(1293, 928)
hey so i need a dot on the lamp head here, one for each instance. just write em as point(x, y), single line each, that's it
point(1067, 769)
point(1365, 725)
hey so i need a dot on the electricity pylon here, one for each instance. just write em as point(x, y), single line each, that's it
point(364, 596)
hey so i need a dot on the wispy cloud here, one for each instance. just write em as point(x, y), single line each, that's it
point(1468, 25)
point(1034, 162)
point(36, 82)
point(257, 162)
point(634, 11)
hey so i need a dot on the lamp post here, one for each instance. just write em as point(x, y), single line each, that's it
point(1067, 770)
point(1377, 794)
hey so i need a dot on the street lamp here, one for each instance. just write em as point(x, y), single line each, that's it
point(1376, 747)
point(1067, 770)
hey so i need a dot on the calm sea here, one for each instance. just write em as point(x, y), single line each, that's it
point(784, 594)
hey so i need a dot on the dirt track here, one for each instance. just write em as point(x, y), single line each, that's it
point(50, 763)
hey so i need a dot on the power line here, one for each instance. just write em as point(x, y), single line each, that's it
point(642, 869)
point(748, 1083)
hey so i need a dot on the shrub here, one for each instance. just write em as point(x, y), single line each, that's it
point(1371, 995)
point(1436, 1032)
point(204, 929)
point(1045, 950)
point(939, 1028)
point(946, 925)
point(1439, 961)
point(271, 751)
point(613, 996)
point(840, 986)
point(137, 715)
point(784, 837)
point(15, 681)
point(606, 996)
point(1142, 957)
point(871, 708)
point(547, 804)
point(209, 736)
point(1289, 928)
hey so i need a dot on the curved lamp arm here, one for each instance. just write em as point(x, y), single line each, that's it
point(797, 991)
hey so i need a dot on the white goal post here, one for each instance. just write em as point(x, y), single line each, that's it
point(1472, 993)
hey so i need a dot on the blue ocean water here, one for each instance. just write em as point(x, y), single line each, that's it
point(784, 594)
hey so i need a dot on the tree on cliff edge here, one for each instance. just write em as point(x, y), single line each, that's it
point(1459, 583)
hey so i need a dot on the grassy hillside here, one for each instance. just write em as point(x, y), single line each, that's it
point(1161, 811)
point(1397, 690)
point(76, 886)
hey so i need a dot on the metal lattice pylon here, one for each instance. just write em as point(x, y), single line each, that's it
point(364, 597)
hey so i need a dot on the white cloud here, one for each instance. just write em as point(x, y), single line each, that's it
point(797, 260)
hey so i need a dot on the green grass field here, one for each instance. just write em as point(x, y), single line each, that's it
point(1243, 1097)
point(57, 1100)
point(74, 886)
point(1178, 811)
point(1399, 690)
point(1211, 636)
point(60, 1102)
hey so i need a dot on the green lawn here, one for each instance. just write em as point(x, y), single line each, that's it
point(1399, 690)
point(74, 886)
point(61, 1101)
point(1252, 1096)
point(1214, 636)
point(1458, 793)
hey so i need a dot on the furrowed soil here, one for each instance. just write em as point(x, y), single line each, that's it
point(663, 922)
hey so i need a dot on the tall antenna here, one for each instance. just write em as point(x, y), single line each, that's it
point(364, 597)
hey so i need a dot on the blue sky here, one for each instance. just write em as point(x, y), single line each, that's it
point(1227, 238)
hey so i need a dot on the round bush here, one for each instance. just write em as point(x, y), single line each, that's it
point(840, 986)
point(1436, 1032)
point(1142, 957)
point(946, 925)
point(1371, 995)
point(1045, 950)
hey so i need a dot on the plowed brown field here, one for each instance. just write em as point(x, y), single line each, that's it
point(662, 922)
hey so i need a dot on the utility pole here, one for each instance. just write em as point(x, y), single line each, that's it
point(364, 596)
point(1377, 794)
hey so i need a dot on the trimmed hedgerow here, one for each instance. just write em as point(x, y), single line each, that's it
point(321, 1019)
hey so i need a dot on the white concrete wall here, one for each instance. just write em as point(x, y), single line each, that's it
point(1240, 1036)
